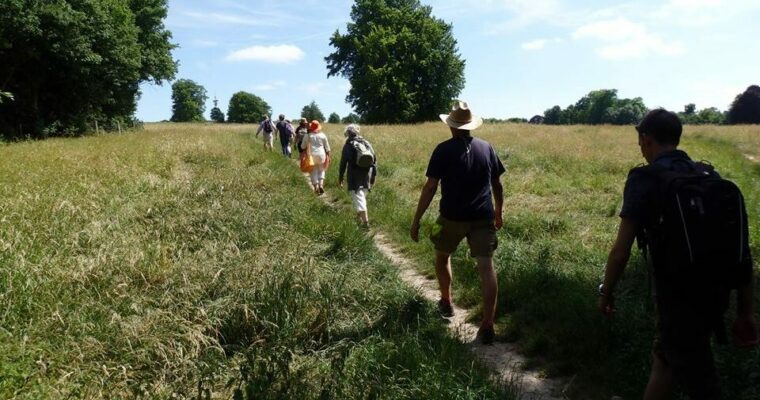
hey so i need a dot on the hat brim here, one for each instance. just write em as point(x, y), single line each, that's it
point(468, 126)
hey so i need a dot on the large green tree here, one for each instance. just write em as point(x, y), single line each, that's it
point(312, 112)
point(402, 63)
point(71, 62)
point(247, 108)
point(746, 107)
point(188, 101)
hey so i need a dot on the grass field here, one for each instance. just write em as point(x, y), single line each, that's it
point(184, 261)
point(563, 192)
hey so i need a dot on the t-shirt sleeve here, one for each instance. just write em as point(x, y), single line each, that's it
point(636, 196)
point(436, 165)
point(497, 168)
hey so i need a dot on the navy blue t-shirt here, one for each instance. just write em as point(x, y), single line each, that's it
point(465, 167)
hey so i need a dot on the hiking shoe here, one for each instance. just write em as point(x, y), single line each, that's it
point(485, 335)
point(321, 190)
point(445, 308)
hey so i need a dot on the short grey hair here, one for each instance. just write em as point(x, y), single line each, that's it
point(352, 130)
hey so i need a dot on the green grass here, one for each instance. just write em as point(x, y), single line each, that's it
point(563, 191)
point(183, 261)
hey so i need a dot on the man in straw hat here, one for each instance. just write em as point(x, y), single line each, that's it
point(468, 170)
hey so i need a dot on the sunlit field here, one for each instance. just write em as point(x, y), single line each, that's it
point(563, 192)
point(184, 261)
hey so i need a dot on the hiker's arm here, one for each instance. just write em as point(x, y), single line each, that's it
point(259, 130)
point(616, 262)
point(343, 164)
point(498, 198)
point(428, 192)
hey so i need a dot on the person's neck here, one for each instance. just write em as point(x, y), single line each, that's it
point(660, 150)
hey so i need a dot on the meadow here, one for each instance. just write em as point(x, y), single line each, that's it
point(563, 190)
point(184, 261)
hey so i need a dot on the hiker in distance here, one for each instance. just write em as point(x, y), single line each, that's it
point(468, 170)
point(301, 132)
point(694, 225)
point(318, 147)
point(267, 127)
point(358, 157)
point(286, 133)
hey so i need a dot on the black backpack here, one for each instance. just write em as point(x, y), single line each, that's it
point(698, 236)
point(268, 128)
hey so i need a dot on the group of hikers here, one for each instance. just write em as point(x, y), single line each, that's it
point(358, 159)
point(690, 223)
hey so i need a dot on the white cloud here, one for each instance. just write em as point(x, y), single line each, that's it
point(537, 44)
point(269, 86)
point(278, 54)
point(623, 39)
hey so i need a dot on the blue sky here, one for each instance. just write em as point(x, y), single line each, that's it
point(522, 56)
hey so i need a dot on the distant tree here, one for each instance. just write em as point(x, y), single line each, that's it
point(68, 63)
point(216, 114)
point(536, 120)
point(711, 116)
point(312, 112)
point(247, 108)
point(188, 101)
point(351, 118)
point(517, 120)
point(689, 114)
point(746, 107)
point(553, 116)
point(402, 63)
point(625, 112)
point(334, 118)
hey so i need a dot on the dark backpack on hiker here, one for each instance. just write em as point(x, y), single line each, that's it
point(268, 128)
point(698, 238)
point(364, 156)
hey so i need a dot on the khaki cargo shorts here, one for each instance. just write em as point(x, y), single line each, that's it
point(481, 236)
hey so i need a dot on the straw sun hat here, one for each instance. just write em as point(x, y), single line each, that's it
point(461, 117)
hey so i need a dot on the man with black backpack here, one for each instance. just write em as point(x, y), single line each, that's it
point(692, 225)
point(286, 131)
point(267, 126)
point(358, 157)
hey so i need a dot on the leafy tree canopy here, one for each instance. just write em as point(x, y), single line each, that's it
point(217, 115)
point(68, 63)
point(402, 63)
point(334, 118)
point(351, 118)
point(598, 107)
point(189, 101)
point(247, 108)
point(746, 107)
point(312, 112)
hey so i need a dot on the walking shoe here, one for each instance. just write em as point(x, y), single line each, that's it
point(485, 335)
point(445, 308)
point(321, 190)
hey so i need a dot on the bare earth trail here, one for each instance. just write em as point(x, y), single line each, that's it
point(503, 359)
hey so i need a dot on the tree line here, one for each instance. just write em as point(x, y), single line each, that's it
point(189, 105)
point(604, 107)
point(66, 66)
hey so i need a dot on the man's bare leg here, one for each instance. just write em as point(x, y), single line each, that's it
point(489, 288)
point(443, 273)
point(660, 381)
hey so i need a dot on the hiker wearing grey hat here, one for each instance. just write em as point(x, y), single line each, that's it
point(468, 170)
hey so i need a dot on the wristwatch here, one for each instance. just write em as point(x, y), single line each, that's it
point(602, 293)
